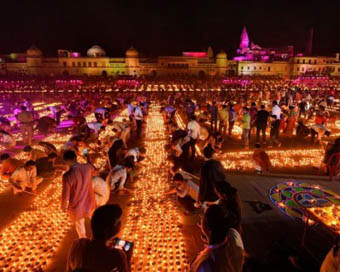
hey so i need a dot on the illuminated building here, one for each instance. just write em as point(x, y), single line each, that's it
point(96, 63)
point(251, 59)
point(254, 52)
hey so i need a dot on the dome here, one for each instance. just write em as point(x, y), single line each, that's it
point(96, 51)
point(131, 52)
point(33, 51)
point(221, 55)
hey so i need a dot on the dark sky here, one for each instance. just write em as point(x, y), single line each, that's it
point(166, 27)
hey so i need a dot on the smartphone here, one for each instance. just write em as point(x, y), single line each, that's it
point(122, 244)
point(85, 152)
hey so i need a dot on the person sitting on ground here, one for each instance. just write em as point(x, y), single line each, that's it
point(118, 177)
point(9, 165)
point(25, 177)
point(34, 153)
point(261, 160)
point(46, 165)
point(101, 189)
point(94, 254)
point(7, 139)
point(224, 250)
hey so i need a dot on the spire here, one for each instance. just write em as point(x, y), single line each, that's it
point(210, 52)
point(244, 38)
point(309, 42)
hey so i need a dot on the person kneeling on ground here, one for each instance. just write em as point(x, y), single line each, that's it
point(25, 177)
point(186, 190)
point(118, 176)
point(261, 160)
point(93, 254)
point(224, 249)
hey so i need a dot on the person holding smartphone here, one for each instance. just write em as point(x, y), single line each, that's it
point(94, 254)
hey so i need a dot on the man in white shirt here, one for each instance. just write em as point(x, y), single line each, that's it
point(25, 177)
point(138, 114)
point(194, 133)
point(118, 176)
point(276, 110)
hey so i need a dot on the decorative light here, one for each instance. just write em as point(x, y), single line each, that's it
point(30, 241)
point(153, 220)
point(328, 216)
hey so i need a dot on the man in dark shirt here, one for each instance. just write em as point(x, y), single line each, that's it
point(261, 124)
point(115, 148)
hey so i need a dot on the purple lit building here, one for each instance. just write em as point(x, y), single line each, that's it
point(249, 51)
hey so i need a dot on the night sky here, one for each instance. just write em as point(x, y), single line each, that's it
point(166, 27)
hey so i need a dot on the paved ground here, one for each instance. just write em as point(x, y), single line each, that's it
point(270, 236)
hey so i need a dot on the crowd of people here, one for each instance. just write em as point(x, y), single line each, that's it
point(102, 155)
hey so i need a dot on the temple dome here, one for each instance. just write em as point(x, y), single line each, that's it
point(131, 53)
point(96, 51)
point(221, 55)
point(33, 51)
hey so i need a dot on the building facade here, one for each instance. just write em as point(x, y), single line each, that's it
point(251, 60)
point(96, 63)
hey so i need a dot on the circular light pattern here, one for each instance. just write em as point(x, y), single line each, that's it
point(293, 197)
